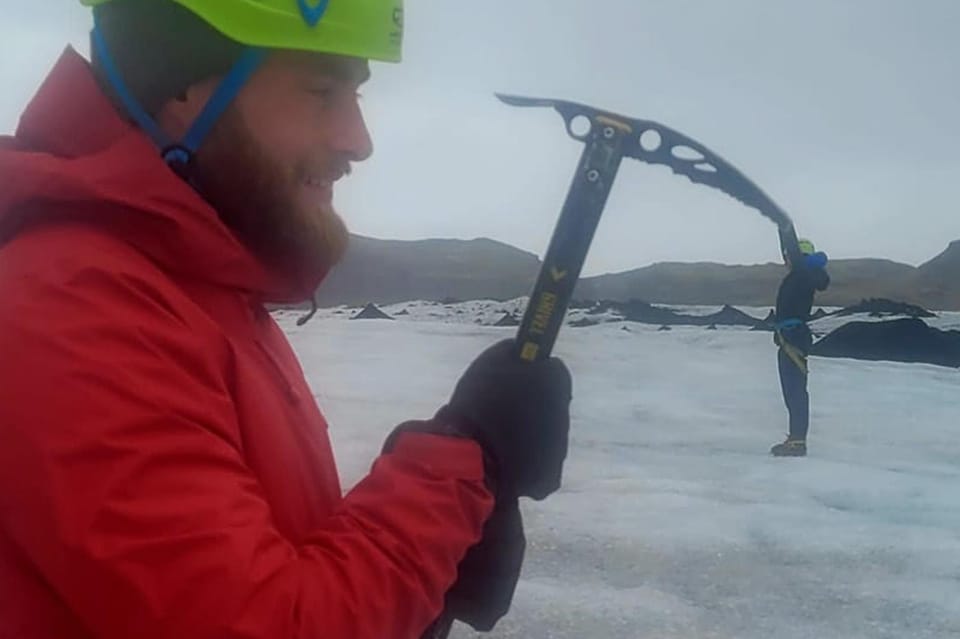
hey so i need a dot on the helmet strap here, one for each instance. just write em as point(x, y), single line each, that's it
point(179, 155)
point(132, 105)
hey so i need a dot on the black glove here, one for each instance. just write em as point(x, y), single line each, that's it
point(487, 576)
point(519, 413)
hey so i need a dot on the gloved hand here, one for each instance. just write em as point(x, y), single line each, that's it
point(519, 413)
point(488, 575)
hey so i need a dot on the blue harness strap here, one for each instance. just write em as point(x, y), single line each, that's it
point(797, 356)
point(788, 323)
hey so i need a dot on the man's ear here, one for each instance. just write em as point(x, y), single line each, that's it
point(177, 114)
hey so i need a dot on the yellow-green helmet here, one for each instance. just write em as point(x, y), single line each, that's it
point(806, 247)
point(371, 29)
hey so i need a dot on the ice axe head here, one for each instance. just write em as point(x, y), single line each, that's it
point(654, 143)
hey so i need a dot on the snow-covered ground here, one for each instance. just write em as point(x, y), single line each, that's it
point(673, 521)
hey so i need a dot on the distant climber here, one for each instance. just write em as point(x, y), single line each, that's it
point(807, 275)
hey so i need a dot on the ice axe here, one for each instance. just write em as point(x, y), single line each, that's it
point(609, 138)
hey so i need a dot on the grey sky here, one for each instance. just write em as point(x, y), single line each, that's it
point(846, 112)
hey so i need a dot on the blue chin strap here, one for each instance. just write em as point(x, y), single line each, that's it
point(179, 155)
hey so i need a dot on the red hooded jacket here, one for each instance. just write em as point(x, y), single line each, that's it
point(164, 470)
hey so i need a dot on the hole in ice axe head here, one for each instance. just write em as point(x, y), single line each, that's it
point(579, 118)
point(684, 152)
point(579, 127)
point(650, 140)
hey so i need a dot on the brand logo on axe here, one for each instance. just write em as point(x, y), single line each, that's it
point(312, 13)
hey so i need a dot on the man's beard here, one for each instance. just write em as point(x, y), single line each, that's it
point(256, 199)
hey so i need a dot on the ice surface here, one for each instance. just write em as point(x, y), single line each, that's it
point(673, 520)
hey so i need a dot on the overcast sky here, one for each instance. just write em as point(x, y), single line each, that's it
point(845, 112)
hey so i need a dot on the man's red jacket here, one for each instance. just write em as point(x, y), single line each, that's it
point(164, 469)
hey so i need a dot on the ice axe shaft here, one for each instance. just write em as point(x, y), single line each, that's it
point(572, 237)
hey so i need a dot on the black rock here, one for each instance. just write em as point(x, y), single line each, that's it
point(880, 307)
point(508, 319)
point(640, 311)
point(584, 321)
point(766, 324)
point(730, 316)
point(602, 307)
point(902, 340)
point(370, 311)
point(644, 313)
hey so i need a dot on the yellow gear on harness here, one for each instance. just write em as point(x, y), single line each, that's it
point(795, 354)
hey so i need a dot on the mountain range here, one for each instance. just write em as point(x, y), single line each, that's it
point(389, 271)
